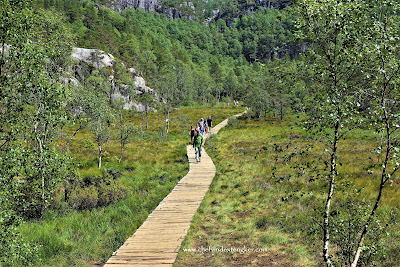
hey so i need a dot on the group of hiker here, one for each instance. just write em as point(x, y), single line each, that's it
point(197, 135)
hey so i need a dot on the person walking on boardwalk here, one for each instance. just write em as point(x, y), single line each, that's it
point(192, 133)
point(200, 123)
point(209, 122)
point(198, 142)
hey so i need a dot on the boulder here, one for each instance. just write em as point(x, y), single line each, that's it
point(99, 59)
point(140, 82)
point(131, 70)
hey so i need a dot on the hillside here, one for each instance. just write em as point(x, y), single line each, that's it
point(203, 63)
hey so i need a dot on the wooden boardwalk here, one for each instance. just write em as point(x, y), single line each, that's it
point(157, 241)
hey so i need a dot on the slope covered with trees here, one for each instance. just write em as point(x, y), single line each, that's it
point(200, 61)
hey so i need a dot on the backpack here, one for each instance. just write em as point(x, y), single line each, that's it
point(198, 140)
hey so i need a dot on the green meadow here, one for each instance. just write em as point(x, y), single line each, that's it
point(106, 206)
point(261, 200)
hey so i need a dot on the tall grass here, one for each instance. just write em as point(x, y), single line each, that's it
point(152, 165)
point(259, 199)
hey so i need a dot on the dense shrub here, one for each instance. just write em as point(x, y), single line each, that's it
point(95, 191)
point(232, 122)
point(83, 198)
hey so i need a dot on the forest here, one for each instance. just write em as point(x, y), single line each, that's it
point(325, 71)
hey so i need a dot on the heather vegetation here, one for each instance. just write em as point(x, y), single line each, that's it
point(261, 199)
point(310, 172)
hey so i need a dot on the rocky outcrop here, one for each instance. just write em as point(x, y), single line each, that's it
point(127, 92)
point(214, 16)
point(176, 13)
point(245, 7)
point(70, 80)
point(124, 92)
point(276, 4)
point(154, 6)
point(96, 57)
point(188, 10)
point(147, 5)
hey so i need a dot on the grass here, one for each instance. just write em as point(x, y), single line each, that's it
point(249, 206)
point(152, 165)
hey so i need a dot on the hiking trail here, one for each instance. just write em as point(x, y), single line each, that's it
point(157, 241)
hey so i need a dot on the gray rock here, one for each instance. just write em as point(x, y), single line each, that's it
point(132, 70)
point(147, 5)
point(97, 58)
point(69, 80)
point(128, 102)
point(127, 93)
point(140, 82)
point(150, 6)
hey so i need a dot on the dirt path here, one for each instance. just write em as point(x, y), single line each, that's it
point(158, 240)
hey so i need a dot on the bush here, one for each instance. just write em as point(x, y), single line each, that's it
point(261, 223)
point(95, 191)
point(83, 198)
point(113, 172)
point(88, 144)
point(15, 251)
point(110, 193)
point(232, 122)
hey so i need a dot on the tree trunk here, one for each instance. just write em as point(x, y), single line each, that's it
point(329, 196)
point(111, 92)
point(168, 121)
point(142, 120)
point(120, 157)
point(72, 137)
point(100, 154)
point(273, 108)
point(147, 122)
point(384, 179)
point(1, 76)
point(40, 144)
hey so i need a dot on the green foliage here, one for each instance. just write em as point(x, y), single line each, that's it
point(347, 39)
point(232, 122)
point(34, 53)
point(257, 100)
point(15, 249)
point(179, 54)
point(94, 191)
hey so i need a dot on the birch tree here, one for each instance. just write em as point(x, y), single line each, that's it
point(31, 115)
point(381, 47)
point(331, 27)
